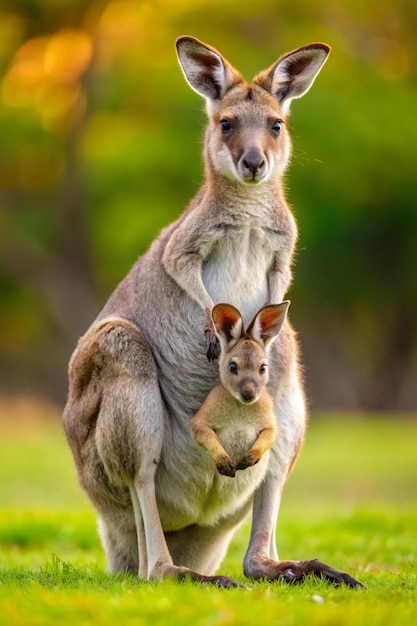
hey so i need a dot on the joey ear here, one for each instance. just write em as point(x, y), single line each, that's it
point(294, 73)
point(227, 321)
point(205, 70)
point(267, 323)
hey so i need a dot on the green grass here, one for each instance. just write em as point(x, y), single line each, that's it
point(351, 501)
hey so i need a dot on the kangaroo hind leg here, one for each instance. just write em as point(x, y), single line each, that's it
point(129, 432)
point(116, 422)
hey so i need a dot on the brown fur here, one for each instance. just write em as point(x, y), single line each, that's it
point(236, 423)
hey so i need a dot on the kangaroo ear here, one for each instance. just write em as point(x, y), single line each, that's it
point(228, 322)
point(294, 73)
point(205, 70)
point(267, 323)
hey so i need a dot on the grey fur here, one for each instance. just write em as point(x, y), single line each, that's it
point(140, 371)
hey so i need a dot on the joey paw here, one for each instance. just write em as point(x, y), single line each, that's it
point(225, 467)
point(248, 460)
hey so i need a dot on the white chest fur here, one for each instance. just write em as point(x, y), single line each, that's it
point(237, 269)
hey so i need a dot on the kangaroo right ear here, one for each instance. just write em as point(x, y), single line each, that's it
point(294, 73)
point(205, 70)
point(228, 322)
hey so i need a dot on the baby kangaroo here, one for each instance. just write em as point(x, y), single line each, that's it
point(236, 423)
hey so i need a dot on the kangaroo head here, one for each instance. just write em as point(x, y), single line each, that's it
point(247, 139)
point(243, 362)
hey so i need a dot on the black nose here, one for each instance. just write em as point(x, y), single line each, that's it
point(248, 395)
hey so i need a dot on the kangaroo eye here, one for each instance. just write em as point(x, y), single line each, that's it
point(225, 126)
point(263, 368)
point(233, 367)
point(276, 127)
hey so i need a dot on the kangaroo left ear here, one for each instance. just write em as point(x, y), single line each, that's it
point(267, 323)
point(294, 73)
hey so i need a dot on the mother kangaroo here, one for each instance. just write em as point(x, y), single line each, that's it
point(145, 365)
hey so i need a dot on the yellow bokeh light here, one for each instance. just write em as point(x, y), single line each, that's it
point(45, 74)
point(28, 60)
point(25, 73)
point(68, 55)
point(60, 106)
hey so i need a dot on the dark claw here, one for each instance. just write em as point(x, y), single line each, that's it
point(245, 463)
point(343, 577)
point(226, 469)
point(225, 472)
point(226, 583)
point(213, 350)
point(290, 576)
point(350, 581)
point(219, 581)
point(329, 573)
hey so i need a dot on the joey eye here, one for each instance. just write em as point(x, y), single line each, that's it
point(276, 127)
point(233, 367)
point(263, 368)
point(225, 126)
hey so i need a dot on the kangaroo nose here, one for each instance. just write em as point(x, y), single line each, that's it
point(247, 390)
point(253, 161)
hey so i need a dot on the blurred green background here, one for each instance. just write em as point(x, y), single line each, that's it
point(100, 147)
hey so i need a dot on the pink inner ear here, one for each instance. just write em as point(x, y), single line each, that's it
point(225, 317)
point(228, 321)
point(207, 62)
point(268, 321)
point(298, 65)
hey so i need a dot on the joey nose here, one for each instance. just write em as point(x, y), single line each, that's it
point(247, 390)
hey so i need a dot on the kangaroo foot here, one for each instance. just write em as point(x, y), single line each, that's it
point(296, 571)
point(162, 571)
point(218, 581)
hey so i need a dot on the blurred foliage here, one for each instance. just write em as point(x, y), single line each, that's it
point(100, 148)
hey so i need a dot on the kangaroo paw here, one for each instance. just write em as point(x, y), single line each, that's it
point(213, 349)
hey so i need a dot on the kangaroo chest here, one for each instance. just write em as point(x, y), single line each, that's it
point(236, 271)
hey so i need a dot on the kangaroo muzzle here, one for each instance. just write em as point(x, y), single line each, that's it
point(252, 165)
